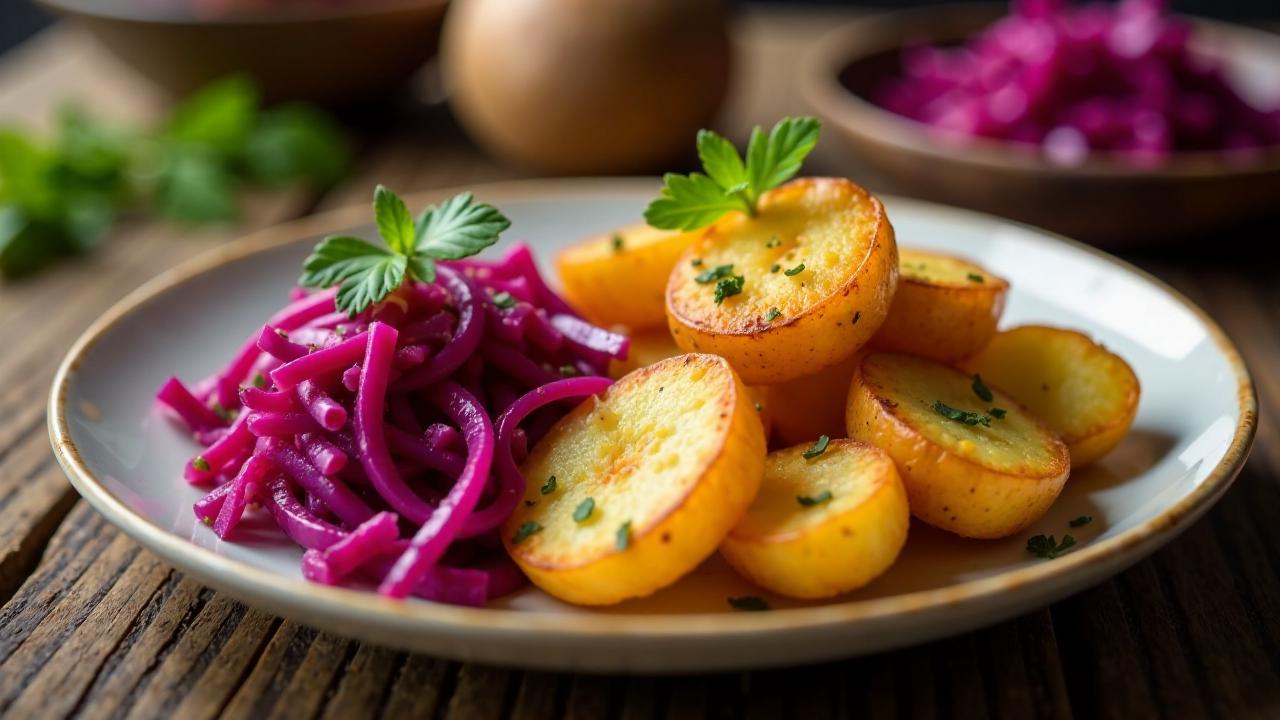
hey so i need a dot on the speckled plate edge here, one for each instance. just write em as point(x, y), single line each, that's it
point(638, 643)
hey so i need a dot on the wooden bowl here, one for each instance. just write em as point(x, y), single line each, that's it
point(335, 55)
point(1103, 201)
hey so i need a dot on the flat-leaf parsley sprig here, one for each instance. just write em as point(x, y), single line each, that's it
point(366, 273)
point(696, 200)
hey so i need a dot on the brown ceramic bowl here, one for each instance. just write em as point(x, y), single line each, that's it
point(1101, 200)
point(329, 53)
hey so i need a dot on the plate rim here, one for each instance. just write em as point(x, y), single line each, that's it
point(338, 603)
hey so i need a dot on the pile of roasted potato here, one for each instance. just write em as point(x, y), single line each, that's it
point(878, 373)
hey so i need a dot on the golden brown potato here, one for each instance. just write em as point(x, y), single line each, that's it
point(814, 270)
point(823, 525)
point(946, 308)
point(649, 478)
point(1080, 389)
point(978, 468)
point(620, 277)
point(810, 406)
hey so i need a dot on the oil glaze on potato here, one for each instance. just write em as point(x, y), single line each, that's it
point(620, 277)
point(1086, 393)
point(782, 326)
point(826, 546)
point(946, 308)
point(979, 481)
point(675, 449)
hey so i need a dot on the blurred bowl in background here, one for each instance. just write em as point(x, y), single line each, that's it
point(586, 86)
point(335, 54)
point(1102, 200)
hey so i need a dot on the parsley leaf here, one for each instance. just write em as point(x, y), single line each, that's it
point(728, 287)
point(524, 531)
point(962, 416)
point(395, 224)
point(1081, 521)
point(773, 314)
point(706, 276)
point(819, 446)
point(199, 463)
point(748, 603)
point(504, 300)
point(459, 227)
point(584, 510)
point(998, 413)
point(794, 271)
point(975, 277)
point(811, 500)
point(1047, 547)
point(549, 486)
point(981, 390)
point(693, 201)
point(623, 538)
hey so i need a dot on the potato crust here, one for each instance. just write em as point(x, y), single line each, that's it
point(1083, 391)
point(620, 277)
point(946, 307)
point(675, 449)
point(819, 264)
point(823, 547)
point(977, 481)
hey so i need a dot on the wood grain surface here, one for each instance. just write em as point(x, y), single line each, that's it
point(93, 626)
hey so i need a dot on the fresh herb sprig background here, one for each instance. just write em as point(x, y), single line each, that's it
point(728, 182)
point(59, 196)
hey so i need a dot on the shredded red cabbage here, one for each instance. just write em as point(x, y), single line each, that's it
point(386, 444)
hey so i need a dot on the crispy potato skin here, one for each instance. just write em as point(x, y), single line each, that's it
point(951, 483)
point(822, 550)
point(622, 285)
point(943, 316)
point(1083, 391)
point(813, 405)
point(724, 450)
point(827, 311)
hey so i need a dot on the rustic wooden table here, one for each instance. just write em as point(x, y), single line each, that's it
point(94, 626)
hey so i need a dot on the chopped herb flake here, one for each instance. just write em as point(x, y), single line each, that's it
point(714, 274)
point(616, 240)
point(583, 511)
point(962, 416)
point(998, 413)
point(623, 538)
point(819, 447)
point(1081, 521)
point(259, 380)
point(773, 314)
point(568, 371)
point(524, 531)
point(975, 277)
point(775, 268)
point(199, 463)
point(773, 242)
point(549, 486)
point(748, 603)
point(1047, 547)
point(794, 271)
point(504, 300)
point(728, 287)
point(696, 262)
point(811, 500)
point(981, 390)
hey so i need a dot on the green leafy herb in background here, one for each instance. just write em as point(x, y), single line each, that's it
point(58, 197)
point(692, 201)
point(366, 273)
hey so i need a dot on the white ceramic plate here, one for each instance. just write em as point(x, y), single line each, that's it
point(1193, 430)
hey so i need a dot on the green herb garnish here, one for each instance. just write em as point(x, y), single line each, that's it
point(524, 531)
point(998, 413)
point(794, 271)
point(714, 274)
point(975, 277)
point(549, 486)
point(696, 262)
point(693, 201)
point(623, 538)
point(773, 242)
point(616, 242)
point(962, 416)
point(1081, 521)
point(748, 603)
point(568, 371)
point(773, 314)
point(198, 462)
point(365, 273)
point(259, 380)
point(811, 500)
point(775, 268)
point(980, 389)
point(504, 300)
point(1048, 547)
point(583, 511)
point(728, 287)
point(818, 447)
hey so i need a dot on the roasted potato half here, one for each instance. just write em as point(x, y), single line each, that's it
point(821, 525)
point(648, 479)
point(946, 308)
point(810, 406)
point(797, 288)
point(1086, 393)
point(978, 468)
point(620, 277)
